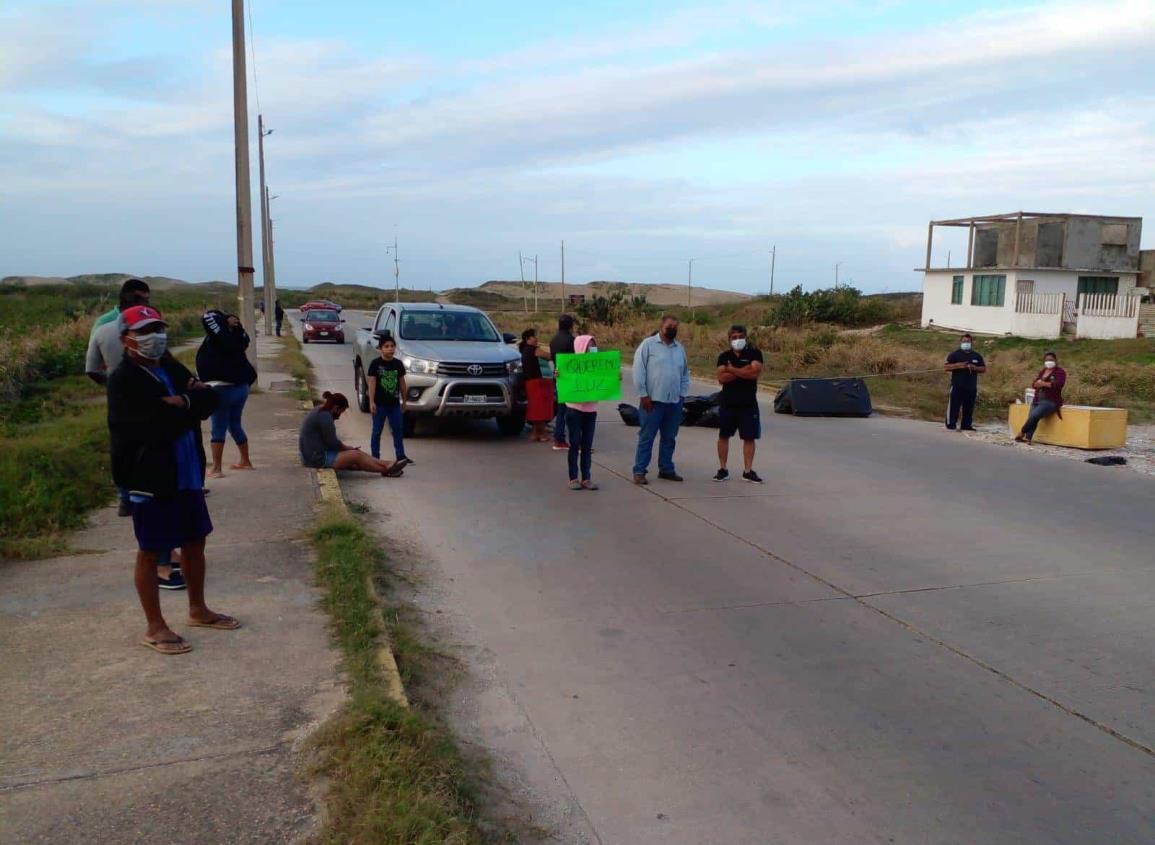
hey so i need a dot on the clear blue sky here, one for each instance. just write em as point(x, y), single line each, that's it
point(643, 134)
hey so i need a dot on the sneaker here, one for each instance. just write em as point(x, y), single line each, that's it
point(574, 484)
point(752, 477)
point(722, 475)
point(560, 446)
point(175, 581)
point(640, 479)
point(670, 476)
point(407, 458)
point(968, 428)
point(950, 428)
point(124, 508)
point(589, 485)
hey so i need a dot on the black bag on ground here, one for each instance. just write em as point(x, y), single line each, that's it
point(824, 397)
point(710, 418)
point(629, 414)
point(695, 406)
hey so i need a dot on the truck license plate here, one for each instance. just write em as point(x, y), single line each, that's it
point(474, 399)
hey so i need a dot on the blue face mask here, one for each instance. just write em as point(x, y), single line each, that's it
point(965, 346)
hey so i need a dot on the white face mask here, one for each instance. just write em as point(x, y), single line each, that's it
point(738, 344)
point(151, 346)
point(1049, 364)
point(591, 349)
point(965, 346)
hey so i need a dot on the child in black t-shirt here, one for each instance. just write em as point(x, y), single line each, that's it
point(387, 397)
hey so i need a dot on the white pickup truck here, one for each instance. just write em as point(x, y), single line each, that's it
point(457, 363)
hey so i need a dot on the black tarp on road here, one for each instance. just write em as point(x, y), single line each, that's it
point(824, 397)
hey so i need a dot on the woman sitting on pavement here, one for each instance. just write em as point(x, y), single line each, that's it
point(321, 448)
point(222, 363)
point(538, 390)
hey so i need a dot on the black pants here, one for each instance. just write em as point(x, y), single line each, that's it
point(961, 398)
point(278, 327)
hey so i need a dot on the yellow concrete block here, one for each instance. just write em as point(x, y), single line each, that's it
point(1082, 427)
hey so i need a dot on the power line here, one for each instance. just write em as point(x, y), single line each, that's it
point(253, 54)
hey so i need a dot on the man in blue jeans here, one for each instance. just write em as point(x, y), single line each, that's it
point(662, 380)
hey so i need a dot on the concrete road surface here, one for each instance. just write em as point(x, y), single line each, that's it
point(904, 636)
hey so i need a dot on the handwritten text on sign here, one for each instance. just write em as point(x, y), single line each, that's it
point(589, 377)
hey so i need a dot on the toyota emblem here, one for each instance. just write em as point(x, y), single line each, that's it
point(474, 369)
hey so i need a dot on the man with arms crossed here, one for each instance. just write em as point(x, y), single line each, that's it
point(738, 370)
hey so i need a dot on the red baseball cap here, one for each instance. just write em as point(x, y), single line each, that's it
point(139, 316)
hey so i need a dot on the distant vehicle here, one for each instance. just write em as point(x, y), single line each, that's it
point(322, 324)
point(320, 303)
point(457, 363)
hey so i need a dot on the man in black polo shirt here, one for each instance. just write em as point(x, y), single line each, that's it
point(738, 371)
point(964, 366)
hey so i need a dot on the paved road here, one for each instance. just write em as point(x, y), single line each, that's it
point(905, 636)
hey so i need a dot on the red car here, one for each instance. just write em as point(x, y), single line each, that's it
point(322, 324)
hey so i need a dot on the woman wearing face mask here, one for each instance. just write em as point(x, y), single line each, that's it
point(580, 420)
point(154, 409)
point(222, 362)
point(1048, 385)
point(538, 390)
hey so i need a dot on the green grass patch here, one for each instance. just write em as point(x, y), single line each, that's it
point(54, 467)
point(392, 774)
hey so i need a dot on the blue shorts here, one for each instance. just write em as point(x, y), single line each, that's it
point(330, 457)
point(745, 421)
point(169, 523)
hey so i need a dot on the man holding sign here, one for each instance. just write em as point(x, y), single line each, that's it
point(583, 380)
point(662, 378)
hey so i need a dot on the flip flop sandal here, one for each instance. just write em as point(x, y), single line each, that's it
point(178, 646)
point(396, 468)
point(221, 623)
point(242, 466)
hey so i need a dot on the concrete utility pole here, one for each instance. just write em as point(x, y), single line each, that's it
point(266, 258)
point(524, 292)
point(534, 260)
point(690, 283)
point(563, 276)
point(836, 266)
point(773, 253)
point(272, 248)
point(243, 179)
point(396, 269)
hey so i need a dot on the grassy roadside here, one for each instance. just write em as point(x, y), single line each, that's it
point(392, 775)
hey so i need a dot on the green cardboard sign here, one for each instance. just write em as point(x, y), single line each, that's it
point(589, 377)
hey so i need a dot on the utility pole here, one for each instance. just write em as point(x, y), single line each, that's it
point(243, 179)
point(690, 283)
point(524, 293)
point(563, 300)
point(272, 251)
point(773, 253)
point(836, 266)
point(396, 269)
point(266, 260)
point(534, 260)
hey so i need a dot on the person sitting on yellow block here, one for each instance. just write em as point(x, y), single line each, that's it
point(1048, 385)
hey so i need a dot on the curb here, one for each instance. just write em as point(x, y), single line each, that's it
point(330, 489)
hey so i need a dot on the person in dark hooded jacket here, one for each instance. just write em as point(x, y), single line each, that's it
point(222, 362)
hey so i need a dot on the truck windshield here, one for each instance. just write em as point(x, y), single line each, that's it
point(447, 325)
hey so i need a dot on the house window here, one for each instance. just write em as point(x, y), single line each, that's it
point(988, 290)
point(1099, 284)
point(956, 291)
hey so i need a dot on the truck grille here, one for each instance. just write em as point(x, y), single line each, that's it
point(462, 370)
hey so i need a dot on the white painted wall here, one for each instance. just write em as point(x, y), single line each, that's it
point(1107, 328)
point(937, 307)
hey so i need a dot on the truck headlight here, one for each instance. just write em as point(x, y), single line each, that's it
point(513, 367)
point(419, 366)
